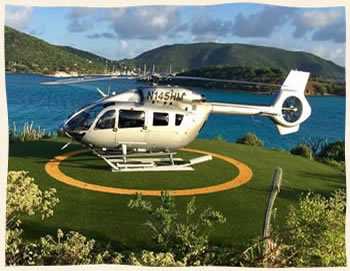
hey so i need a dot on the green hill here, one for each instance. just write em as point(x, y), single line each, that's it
point(84, 54)
point(199, 55)
point(24, 53)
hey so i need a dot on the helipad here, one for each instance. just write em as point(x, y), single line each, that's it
point(245, 174)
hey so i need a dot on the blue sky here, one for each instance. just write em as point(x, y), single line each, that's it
point(118, 33)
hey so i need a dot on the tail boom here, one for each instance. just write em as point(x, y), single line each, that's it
point(288, 111)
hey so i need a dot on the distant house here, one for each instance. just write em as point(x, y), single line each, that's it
point(61, 74)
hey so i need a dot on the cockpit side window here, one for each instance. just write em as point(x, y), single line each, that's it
point(85, 118)
point(107, 121)
point(160, 119)
point(131, 119)
point(178, 119)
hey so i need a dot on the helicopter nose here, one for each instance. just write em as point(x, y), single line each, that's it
point(60, 130)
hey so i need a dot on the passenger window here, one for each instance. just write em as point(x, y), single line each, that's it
point(131, 119)
point(178, 119)
point(160, 119)
point(107, 121)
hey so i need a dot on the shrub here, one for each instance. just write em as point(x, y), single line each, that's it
point(24, 198)
point(150, 258)
point(313, 235)
point(317, 231)
point(340, 165)
point(302, 150)
point(29, 133)
point(74, 248)
point(334, 151)
point(186, 238)
point(250, 139)
point(219, 138)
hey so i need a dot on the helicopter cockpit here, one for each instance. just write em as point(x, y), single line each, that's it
point(80, 122)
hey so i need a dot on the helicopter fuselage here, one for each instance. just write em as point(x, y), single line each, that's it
point(164, 119)
point(145, 119)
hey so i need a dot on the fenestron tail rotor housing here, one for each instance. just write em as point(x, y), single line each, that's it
point(292, 109)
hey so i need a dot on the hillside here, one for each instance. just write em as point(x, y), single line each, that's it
point(84, 54)
point(199, 55)
point(24, 53)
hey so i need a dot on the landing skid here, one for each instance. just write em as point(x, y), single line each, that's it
point(140, 162)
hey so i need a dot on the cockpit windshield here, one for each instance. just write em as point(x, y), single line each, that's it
point(85, 118)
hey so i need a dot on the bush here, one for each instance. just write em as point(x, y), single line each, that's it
point(334, 151)
point(302, 150)
point(313, 236)
point(24, 198)
point(29, 133)
point(251, 140)
point(317, 231)
point(187, 238)
point(219, 138)
point(340, 165)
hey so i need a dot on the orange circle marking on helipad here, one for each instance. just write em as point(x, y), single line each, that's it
point(244, 176)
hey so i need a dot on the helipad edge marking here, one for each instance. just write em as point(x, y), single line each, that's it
point(244, 176)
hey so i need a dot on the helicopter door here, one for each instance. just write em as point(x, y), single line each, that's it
point(131, 127)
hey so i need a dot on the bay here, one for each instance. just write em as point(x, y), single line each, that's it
point(48, 106)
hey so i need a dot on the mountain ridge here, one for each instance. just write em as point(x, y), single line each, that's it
point(25, 53)
point(200, 55)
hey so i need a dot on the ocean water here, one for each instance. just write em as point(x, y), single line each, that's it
point(48, 106)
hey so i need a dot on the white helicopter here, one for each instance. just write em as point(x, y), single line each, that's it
point(133, 130)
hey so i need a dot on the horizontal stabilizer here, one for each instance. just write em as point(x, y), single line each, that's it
point(287, 130)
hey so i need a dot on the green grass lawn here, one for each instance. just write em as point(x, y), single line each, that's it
point(107, 219)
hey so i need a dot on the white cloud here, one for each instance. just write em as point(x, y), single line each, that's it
point(144, 23)
point(209, 29)
point(81, 19)
point(320, 50)
point(18, 17)
point(337, 55)
point(123, 44)
point(317, 18)
point(160, 21)
point(262, 23)
point(326, 23)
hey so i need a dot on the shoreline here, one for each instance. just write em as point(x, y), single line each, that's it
point(256, 92)
point(191, 87)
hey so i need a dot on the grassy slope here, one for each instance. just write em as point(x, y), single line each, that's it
point(106, 218)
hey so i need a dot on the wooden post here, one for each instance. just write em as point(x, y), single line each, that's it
point(275, 188)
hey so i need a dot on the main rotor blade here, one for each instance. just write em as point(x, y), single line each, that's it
point(85, 79)
point(223, 80)
point(102, 93)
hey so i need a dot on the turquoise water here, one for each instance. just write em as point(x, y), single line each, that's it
point(48, 106)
